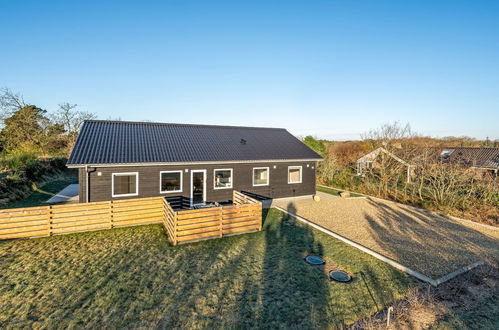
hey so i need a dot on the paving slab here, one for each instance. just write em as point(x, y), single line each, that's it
point(68, 194)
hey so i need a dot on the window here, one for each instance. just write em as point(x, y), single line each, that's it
point(170, 181)
point(294, 174)
point(446, 153)
point(260, 176)
point(223, 178)
point(125, 184)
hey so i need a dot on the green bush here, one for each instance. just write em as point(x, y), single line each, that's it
point(15, 162)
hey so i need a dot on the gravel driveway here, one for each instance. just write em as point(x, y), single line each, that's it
point(431, 244)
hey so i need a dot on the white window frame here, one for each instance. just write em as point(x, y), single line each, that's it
point(171, 191)
point(125, 174)
point(253, 176)
point(215, 178)
point(301, 173)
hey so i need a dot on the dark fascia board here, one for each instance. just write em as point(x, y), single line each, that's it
point(196, 163)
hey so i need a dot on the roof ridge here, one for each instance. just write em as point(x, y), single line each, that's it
point(464, 147)
point(176, 124)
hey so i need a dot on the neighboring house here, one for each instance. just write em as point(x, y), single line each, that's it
point(118, 159)
point(480, 159)
point(369, 160)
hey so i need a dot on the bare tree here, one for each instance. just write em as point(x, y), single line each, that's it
point(388, 135)
point(72, 119)
point(10, 102)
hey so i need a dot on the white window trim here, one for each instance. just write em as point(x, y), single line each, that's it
point(125, 174)
point(253, 176)
point(294, 168)
point(204, 187)
point(171, 191)
point(215, 178)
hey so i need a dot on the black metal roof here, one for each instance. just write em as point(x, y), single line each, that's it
point(484, 157)
point(121, 142)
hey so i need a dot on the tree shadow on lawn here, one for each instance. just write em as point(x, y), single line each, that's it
point(428, 243)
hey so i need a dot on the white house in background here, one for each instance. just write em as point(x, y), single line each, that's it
point(367, 161)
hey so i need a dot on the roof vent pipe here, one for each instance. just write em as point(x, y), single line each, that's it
point(243, 141)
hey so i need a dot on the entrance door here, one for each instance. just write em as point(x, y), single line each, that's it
point(198, 187)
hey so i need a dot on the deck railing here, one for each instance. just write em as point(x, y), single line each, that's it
point(181, 226)
point(245, 215)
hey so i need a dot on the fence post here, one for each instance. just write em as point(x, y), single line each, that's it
point(175, 229)
point(260, 214)
point(111, 214)
point(49, 220)
point(220, 227)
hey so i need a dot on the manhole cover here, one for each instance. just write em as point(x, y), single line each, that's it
point(339, 276)
point(315, 260)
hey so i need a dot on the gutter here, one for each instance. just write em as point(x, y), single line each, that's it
point(196, 163)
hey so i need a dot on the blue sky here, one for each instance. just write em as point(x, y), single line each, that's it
point(333, 69)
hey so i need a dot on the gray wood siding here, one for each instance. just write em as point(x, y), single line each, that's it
point(149, 181)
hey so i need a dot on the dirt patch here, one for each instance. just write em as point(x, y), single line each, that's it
point(431, 244)
point(424, 307)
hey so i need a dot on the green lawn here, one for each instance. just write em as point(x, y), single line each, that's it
point(334, 191)
point(132, 277)
point(46, 190)
point(484, 317)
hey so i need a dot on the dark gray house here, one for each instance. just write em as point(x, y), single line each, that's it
point(201, 163)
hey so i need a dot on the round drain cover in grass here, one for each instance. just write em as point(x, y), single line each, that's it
point(315, 260)
point(339, 276)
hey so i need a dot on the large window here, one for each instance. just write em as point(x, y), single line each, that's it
point(260, 176)
point(170, 181)
point(125, 184)
point(294, 174)
point(223, 178)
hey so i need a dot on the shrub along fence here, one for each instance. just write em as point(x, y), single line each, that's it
point(182, 226)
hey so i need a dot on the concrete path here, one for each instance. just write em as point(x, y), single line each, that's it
point(68, 194)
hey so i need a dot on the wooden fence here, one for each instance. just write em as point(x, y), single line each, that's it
point(181, 226)
point(71, 218)
point(205, 223)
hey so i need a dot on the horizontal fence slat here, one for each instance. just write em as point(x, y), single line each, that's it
point(240, 229)
point(27, 234)
point(181, 215)
point(27, 218)
point(70, 215)
point(74, 229)
point(86, 222)
point(68, 207)
point(140, 212)
point(23, 224)
point(136, 223)
point(198, 225)
point(235, 220)
point(23, 229)
point(239, 224)
point(138, 217)
point(197, 220)
point(215, 228)
point(198, 236)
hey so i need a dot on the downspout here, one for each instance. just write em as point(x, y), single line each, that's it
point(87, 190)
point(88, 182)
